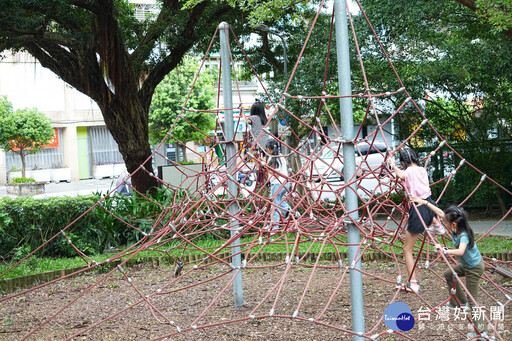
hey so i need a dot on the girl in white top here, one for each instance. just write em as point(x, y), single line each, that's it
point(257, 120)
point(279, 186)
point(416, 184)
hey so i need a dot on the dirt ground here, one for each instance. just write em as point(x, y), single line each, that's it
point(118, 308)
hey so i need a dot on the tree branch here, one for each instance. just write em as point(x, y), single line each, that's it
point(45, 38)
point(471, 4)
point(90, 5)
point(267, 52)
point(79, 69)
point(146, 44)
point(188, 35)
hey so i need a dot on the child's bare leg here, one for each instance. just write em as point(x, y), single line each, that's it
point(410, 239)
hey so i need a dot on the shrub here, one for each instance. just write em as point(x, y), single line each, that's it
point(28, 223)
point(22, 180)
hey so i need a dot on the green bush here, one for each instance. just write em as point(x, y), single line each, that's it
point(52, 223)
point(116, 211)
point(26, 223)
point(22, 180)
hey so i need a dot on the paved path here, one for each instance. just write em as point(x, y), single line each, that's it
point(479, 227)
point(84, 187)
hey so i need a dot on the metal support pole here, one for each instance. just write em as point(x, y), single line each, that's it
point(233, 208)
point(347, 131)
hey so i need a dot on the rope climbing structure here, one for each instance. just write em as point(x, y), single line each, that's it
point(288, 267)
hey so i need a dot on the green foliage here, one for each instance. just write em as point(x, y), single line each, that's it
point(443, 47)
point(170, 97)
point(26, 129)
point(27, 222)
point(22, 180)
point(186, 163)
point(448, 117)
point(4, 221)
point(497, 12)
point(490, 157)
point(25, 132)
point(5, 106)
point(117, 211)
point(45, 264)
point(21, 252)
point(258, 13)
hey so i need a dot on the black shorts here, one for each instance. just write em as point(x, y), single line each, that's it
point(414, 224)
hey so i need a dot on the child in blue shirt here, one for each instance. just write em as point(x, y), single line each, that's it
point(471, 264)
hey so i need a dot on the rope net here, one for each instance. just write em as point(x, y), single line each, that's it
point(311, 236)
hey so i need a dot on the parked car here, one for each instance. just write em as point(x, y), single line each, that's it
point(329, 164)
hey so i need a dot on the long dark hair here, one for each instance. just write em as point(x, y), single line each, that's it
point(258, 109)
point(273, 145)
point(408, 156)
point(459, 216)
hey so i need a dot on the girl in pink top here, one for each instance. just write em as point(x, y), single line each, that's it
point(416, 184)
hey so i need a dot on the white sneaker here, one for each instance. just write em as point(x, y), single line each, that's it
point(463, 306)
point(413, 286)
point(479, 337)
point(437, 229)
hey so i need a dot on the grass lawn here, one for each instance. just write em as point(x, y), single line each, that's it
point(35, 265)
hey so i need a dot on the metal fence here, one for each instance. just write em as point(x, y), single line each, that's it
point(103, 147)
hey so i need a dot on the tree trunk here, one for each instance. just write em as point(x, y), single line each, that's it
point(184, 152)
point(128, 123)
point(23, 164)
point(501, 204)
point(488, 208)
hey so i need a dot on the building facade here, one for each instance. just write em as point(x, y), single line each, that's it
point(82, 141)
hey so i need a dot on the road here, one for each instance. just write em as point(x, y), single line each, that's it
point(82, 187)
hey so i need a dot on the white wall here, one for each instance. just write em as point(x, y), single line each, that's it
point(27, 84)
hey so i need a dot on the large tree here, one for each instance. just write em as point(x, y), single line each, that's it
point(100, 48)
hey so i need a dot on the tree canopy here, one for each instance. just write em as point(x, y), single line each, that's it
point(498, 13)
point(24, 131)
point(438, 47)
point(446, 49)
point(5, 106)
point(170, 97)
